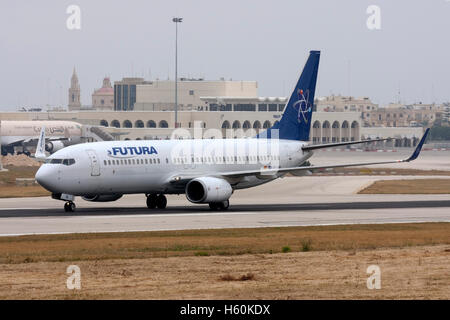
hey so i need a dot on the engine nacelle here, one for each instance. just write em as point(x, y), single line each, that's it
point(53, 146)
point(208, 189)
point(102, 198)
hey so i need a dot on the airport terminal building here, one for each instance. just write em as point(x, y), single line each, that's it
point(144, 110)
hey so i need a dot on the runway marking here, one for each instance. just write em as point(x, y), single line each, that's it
point(212, 228)
point(243, 209)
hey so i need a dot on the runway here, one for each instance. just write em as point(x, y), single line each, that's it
point(296, 201)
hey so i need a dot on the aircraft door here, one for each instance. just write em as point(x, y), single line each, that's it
point(95, 164)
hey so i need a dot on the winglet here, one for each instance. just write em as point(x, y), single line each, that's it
point(419, 147)
point(40, 148)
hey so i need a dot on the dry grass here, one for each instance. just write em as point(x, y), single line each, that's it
point(244, 277)
point(9, 177)
point(13, 191)
point(224, 242)
point(9, 189)
point(406, 273)
point(417, 186)
point(413, 258)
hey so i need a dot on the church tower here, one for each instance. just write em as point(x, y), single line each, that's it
point(74, 92)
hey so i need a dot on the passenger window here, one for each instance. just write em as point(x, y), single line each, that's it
point(159, 161)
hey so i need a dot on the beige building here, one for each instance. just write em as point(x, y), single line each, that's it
point(345, 104)
point(125, 93)
point(159, 95)
point(394, 115)
point(103, 98)
point(446, 113)
point(326, 126)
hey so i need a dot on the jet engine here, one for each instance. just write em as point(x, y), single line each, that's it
point(53, 146)
point(208, 190)
point(102, 198)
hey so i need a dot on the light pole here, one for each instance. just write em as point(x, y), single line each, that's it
point(176, 20)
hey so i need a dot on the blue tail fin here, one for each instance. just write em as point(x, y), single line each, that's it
point(295, 123)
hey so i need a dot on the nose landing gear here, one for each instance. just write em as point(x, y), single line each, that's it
point(156, 200)
point(69, 206)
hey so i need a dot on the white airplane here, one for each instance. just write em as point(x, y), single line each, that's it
point(206, 171)
point(23, 133)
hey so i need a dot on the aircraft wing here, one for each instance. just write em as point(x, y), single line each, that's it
point(30, 141)
point(329, 145)
point(299, 169)
point(272, 172)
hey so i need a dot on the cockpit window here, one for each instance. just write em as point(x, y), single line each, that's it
point(66, 162)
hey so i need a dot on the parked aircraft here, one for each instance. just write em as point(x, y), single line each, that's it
point(25, 133)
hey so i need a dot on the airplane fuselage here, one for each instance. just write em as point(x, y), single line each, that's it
point(19, 132)
point(125, 167)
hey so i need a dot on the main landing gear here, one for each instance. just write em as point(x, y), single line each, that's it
point(224, 205)
point(156, 201)
point(69, 206)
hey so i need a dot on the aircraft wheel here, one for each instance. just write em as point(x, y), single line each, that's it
point(161, 201)
point(69, 206)
point(224, 205)
point(151, 201)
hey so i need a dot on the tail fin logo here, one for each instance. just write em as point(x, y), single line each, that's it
point(302, 106)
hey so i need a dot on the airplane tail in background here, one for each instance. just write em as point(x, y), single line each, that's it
point(40, 148)
point(295, 123)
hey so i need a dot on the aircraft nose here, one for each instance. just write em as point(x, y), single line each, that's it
point(46, 177)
